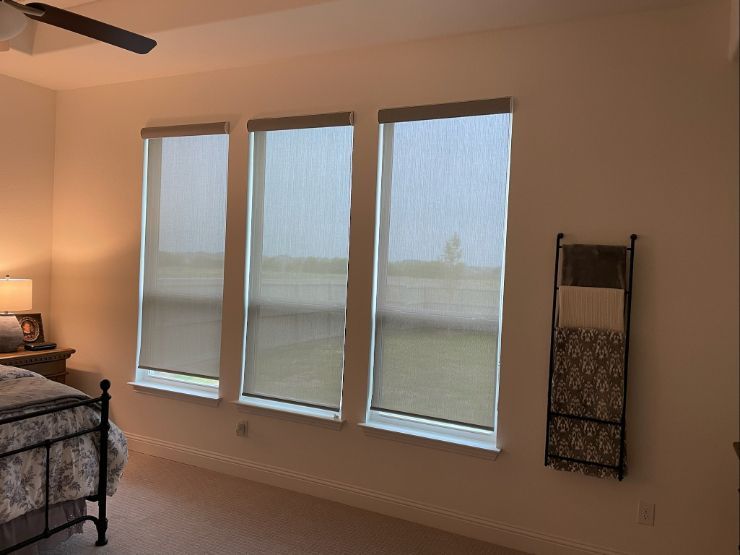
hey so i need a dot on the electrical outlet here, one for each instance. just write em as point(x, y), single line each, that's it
point(242, 428)
point(646, 513)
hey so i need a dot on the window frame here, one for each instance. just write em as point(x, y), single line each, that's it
point(388, 423)
point(144, 381)
point(257, 152)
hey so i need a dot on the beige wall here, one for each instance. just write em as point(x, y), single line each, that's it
point(26, 180)
point(622, 125)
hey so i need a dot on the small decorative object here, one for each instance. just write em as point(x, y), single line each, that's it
point(15, 296)
point(32, 327)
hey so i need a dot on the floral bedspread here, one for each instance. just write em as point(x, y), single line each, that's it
point(74, 462)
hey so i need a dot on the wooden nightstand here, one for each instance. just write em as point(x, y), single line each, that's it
point(51, 363)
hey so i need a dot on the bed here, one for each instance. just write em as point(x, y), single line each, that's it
point(50, 460)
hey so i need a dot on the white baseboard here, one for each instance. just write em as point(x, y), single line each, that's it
point(392, 505)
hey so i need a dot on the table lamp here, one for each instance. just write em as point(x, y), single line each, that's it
point(15, 296)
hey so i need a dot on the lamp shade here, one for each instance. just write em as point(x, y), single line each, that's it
point(16, 294)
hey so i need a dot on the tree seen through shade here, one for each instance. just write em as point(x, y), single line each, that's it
point(453, 253)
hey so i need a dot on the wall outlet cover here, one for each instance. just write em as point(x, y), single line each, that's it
point(646, 513)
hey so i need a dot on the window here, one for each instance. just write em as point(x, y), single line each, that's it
point(441, 239)
point(299, 239)
point(182, 263)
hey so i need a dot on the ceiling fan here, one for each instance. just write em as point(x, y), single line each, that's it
point(14, 17)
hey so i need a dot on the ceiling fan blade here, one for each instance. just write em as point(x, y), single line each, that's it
point(92, 28)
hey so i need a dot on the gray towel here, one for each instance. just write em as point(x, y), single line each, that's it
point(595, 266)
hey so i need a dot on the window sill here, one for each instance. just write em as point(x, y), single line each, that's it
point(181, 392)
point(472, 448)
point(293, 413)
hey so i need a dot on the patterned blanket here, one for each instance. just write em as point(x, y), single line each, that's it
point(74, 462)
point(587, 381)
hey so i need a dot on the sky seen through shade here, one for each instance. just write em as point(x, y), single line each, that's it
point(449, 177)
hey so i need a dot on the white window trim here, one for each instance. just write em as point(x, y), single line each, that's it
point(289, 411)
point(267, 407)
point(143, 382)
point(408, 429)
point(428, 433)
point(201, 394)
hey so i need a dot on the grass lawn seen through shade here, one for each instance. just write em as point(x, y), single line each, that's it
point(448, 374)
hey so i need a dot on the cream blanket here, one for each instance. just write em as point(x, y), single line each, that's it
point(591, 307)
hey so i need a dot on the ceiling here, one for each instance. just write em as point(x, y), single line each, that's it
point(200, 35)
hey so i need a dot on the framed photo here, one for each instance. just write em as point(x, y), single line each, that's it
point(32, 327)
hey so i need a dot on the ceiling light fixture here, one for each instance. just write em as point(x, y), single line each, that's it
point(14, 17)
point(12, 22)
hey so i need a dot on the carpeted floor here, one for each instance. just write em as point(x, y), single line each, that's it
point(163, 507)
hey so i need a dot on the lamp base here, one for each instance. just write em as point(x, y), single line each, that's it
point(11, 335)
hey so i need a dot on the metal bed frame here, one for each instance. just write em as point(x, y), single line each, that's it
point(100, 521)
